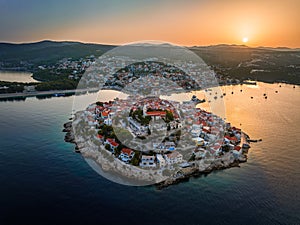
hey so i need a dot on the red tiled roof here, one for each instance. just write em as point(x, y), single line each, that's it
point(156, 113)
point(127, 151)
point(231, 138)
point(113, 143)
point(110, 140)
point(238, 148)
point(105, 113)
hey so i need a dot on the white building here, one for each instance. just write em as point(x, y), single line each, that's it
point(147, 161)
point(174, 157)
point(126, 154)
point(160, 160)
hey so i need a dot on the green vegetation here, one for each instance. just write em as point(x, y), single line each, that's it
point(30, 56)
point(107, 131)
point(99, 103)
point(169, 116)
point(57, 85)
point(11, 87)
point(107, 147)
point(139, 116)
point(136, 158)
point(52, 74)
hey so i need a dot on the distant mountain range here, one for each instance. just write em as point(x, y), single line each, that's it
point(235, 61)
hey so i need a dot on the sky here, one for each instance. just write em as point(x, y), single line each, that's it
point(273, 23)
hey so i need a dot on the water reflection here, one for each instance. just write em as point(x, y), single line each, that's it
point(12, 76)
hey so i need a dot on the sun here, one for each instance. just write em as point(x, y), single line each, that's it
point(245, 39)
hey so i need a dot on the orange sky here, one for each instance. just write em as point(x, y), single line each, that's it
point(190, 22)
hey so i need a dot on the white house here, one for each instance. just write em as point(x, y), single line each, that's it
point(174, 157)
point(147, 161)
point(199, 141)
point(199, 153)
point(112, 143)
point(160, 160)
point(108, 121)
point(126, 154)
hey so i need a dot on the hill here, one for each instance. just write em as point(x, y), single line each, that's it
point(228, 61)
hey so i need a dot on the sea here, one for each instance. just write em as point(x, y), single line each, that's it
point(44, 182)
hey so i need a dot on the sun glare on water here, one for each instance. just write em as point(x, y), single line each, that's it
point(245, 39)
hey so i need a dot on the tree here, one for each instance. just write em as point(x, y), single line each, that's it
point(169, 116)
point(168, 127)
point(136, 158)
point(99, 103)
point(107, 147)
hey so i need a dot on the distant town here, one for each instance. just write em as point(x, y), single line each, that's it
point(61, 65)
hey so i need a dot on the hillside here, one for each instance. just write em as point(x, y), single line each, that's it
point(229, 61)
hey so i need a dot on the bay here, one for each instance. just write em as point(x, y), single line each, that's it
point(44, 182)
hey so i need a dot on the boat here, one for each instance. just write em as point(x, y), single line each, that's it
point(251, 140)
point(59, 94)
point(249, 82)
point(197, 100)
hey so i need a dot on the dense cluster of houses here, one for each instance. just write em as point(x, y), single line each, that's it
point(77, 66)
point(156, 109)
point(210, 134)
point(123, 72)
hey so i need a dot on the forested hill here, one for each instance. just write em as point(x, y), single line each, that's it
point(46, 52)
point(228, 61)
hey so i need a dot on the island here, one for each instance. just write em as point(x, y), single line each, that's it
point(156, 141)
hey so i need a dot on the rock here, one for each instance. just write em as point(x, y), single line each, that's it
point(68, 124)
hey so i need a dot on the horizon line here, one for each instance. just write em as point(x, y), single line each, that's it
point(120, 44)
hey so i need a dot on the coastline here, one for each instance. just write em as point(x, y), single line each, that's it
point(39, 93)
point(74, 91)
point(197, 168)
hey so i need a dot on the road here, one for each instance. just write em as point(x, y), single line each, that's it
point(36, 93)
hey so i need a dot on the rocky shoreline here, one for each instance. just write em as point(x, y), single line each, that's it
point(187, 173)
point(197, 168)
point(70, 137)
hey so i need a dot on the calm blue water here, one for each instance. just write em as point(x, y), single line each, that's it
point(42, 180)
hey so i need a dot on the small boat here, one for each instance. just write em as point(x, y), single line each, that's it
point(251, 140)
point(249, 82)
point(197, 100)
point(59, 94)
